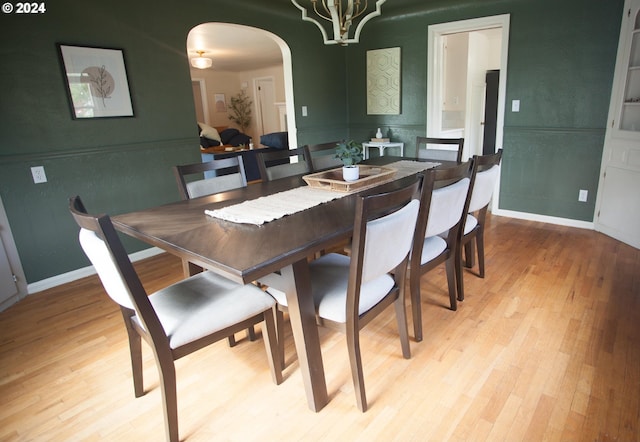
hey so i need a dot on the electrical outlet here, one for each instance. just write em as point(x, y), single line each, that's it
point(304, 111)
point(583, 195)
point(38, 174)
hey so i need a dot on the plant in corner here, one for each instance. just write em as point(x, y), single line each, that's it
point(240, 110)
point(350, 153)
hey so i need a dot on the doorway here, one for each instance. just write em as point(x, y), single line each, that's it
point(199, 87)
point(265, 103)
point(473, 129)
point(456, 103)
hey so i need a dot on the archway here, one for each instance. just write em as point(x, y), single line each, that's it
point(241, 54)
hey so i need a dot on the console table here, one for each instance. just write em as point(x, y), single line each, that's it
point(381, 147)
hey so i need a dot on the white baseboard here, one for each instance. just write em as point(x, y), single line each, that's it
point(544, 219)
point(74, 275)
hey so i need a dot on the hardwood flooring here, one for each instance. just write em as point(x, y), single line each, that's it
point(546, 347)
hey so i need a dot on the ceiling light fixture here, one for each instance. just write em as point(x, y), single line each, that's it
point(341, 13)
point(201, 62)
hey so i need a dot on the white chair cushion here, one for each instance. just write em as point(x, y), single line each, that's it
point(205, 303)
point(446, 207)
point(432, 248)
point(97, 252)
point(329, 280)
point(470, 223)
point(483, 188)
point(217, 184)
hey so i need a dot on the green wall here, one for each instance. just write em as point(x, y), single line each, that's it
point(122, 164)
point(560, 66)
point(561, 61)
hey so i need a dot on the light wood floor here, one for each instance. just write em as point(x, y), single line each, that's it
point(546, 347)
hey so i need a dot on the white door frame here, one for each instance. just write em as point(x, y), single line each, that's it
point(434, 72)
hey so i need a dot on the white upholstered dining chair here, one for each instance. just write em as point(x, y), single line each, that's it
point(277, 164)
point(437, 232)
point(484, 177)
point(349, 292)
point(439, 149)
point(233, 179)
point(177, 320)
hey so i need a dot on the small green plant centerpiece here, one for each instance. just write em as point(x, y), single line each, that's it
point(350, 153)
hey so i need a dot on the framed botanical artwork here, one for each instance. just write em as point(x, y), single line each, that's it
point(383, 81)
point(96, 80)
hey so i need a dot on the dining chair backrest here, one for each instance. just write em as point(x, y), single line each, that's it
point(234, 177)
point(383, 231)
point(446, 207)
point(277, 164)
point(485, 176)
point(323, 156)
point(101, 244)
point(440, 149)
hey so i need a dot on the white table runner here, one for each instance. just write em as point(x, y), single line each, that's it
point(271, 207)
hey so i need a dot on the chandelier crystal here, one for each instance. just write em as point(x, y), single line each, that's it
point(342, 14)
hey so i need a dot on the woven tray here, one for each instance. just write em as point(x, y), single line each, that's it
point(332, 179)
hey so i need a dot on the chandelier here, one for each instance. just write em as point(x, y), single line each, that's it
point(341, 14)
point(201, 62)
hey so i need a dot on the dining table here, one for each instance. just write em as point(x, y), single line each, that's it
point(275, 253)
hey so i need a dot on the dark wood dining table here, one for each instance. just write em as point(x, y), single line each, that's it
point(246, 253)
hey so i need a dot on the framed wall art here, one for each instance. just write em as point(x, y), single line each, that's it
point(96, 80)
point(383, 81)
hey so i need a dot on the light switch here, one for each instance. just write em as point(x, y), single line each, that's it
point(304, 111)
point(515, 106)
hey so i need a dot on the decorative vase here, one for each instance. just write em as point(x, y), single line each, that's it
point(379, 133)
point(350, 173)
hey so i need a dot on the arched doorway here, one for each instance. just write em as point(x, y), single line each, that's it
point(240, 56)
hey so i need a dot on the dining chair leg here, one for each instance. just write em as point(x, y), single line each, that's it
point(480, 247)
point(355, 360)
point(251, 333)
point(451, 280)
point(416, 305)
point(279, 315)
point(403, 327)
point(135, 348)
point(459, 274)
point(469, 253)
point(167, 373)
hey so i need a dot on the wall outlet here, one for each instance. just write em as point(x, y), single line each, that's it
point(304, 111)
point(38, 174)
point(583, 195)
point(515, 106)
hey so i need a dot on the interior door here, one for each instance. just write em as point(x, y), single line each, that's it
point(267, 112)
point(618, 202)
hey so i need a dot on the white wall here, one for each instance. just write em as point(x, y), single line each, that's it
point(230, 84)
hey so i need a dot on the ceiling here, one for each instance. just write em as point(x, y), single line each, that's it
point(232, 47)
point(238, 48)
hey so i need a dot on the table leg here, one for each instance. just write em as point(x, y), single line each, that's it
point(302, 315)
point(381, 149)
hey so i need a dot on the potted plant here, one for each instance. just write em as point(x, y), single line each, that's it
point(240, 110)
point(350, 153)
